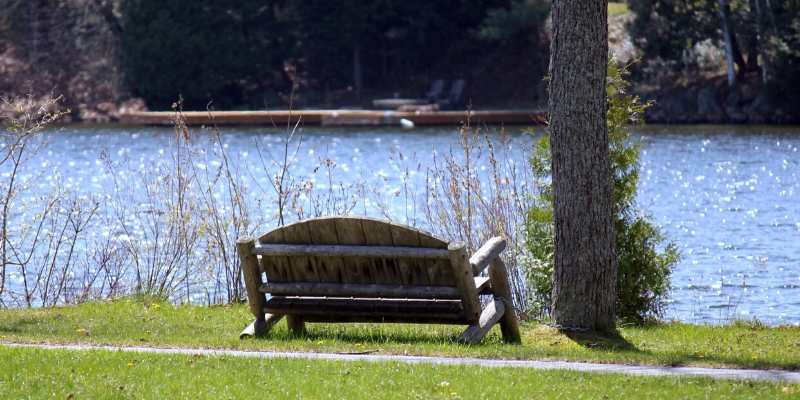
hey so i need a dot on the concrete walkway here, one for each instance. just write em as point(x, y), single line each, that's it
point(716, 373)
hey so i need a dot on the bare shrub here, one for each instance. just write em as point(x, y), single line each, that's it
point(479, 190)
point(226, 215)
point(169, 227)
point(156, 219)
point(40, 237)
point(100, 273)
point(279, 168)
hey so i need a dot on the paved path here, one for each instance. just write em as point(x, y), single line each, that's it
point(717, 373)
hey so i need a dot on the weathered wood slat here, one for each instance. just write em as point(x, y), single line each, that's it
point(462, 272)
point(378, 233)
point(350, 232)
point(488, 252)
point(276, 268)
point(295, 250)
point(410, 272)
point(439, 271)
point(482, 286)
point(301, 266)
point(362, 290)
point(490, 315)
point(410, 319)
point(323, 232)
point(375, 266)
point(362, 306)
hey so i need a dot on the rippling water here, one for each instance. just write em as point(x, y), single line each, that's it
point(728, 196)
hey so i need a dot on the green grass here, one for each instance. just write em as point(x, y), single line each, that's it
point(35, 373)
point(616, 9)
point(133, 322)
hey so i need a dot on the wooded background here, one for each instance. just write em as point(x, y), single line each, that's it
point(716, 60)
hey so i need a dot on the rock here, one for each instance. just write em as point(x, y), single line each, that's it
point(735, 115)
point(677, 107)
point(708, 108)
point(761, 109)
point(131, 105)
point(734, 109)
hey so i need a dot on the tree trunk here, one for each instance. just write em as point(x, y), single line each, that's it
point(752, 40)
point(738, 58)
point(33, 18)
point(727, 35)
point(763, 34)
point(585, 261)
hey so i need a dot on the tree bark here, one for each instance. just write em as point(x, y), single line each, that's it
point(585, 265)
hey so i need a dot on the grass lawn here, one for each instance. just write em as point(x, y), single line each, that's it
point(34, 373)
point(158, 324)
point(615, 9)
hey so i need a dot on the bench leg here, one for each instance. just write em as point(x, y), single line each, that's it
point(509, 324)
point(296, 325)
point(252, 282)
point(490, 315)
point(260, 327)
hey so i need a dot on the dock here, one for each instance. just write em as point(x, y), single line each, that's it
point(339, 117)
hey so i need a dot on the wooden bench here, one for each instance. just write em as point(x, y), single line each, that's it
point(345, 269)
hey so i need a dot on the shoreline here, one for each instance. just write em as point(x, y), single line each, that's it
point(339, 117)
point(679, 127)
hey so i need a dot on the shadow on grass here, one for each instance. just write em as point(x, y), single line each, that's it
point(608, 341)
point(20, 325)
point(372, 334)
point(615, 343)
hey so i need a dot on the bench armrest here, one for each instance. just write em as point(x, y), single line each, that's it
point(488, 252)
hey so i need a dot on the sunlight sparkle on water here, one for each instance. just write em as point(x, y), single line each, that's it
point(726, 196)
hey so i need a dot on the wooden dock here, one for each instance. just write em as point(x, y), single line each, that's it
point(338, 117)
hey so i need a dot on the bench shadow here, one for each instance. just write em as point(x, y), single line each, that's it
point(371, 334)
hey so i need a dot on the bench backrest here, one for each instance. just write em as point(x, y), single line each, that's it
point(334, 248)
point(365, 269)
point(345, 269)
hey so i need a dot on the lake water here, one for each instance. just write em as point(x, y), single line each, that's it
point(729, 197)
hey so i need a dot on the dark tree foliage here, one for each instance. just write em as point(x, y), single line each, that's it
point(523, 20)
point(386, 42)
point(202, 49)
point(66, 47)
point(782, 32)
point(668, 28)
point(232, 51)
point(764, 32)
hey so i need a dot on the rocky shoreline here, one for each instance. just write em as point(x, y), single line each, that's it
point(711, 102)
